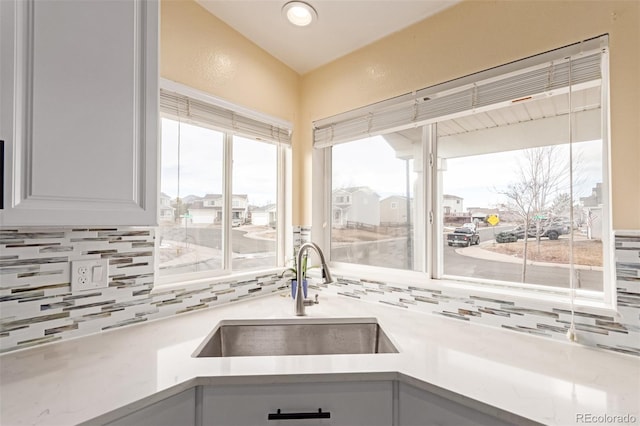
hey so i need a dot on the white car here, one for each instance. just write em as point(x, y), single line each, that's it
point(469, 225)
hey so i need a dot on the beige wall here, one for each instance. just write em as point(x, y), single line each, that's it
point(201, 51)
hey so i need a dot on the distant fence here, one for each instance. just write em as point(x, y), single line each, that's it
point(457, 220)
point(387, 228)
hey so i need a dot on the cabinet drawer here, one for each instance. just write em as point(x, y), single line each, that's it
point(418, 407)
point(351, 403)
point(175, 410)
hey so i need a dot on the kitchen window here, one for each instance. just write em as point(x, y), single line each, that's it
point(500, 178)
point(223, 188)
point(369, 231)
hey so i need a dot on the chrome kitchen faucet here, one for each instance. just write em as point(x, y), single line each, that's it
point(300, 301)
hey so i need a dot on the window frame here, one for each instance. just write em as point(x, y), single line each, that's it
point(431, 274)
point(283, 196)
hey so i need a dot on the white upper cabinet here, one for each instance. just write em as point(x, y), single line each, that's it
point(79, 112)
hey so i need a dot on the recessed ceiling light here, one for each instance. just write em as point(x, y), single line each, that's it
point(299, 13)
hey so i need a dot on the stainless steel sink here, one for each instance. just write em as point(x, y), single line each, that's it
point(309, 336)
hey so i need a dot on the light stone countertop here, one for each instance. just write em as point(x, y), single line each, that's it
point(539, 379)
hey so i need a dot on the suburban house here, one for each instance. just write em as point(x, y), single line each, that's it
point(592, 212)
point(208, 210)
point(452, 204)
point(360, 205)
point(166, 212)
point(393, 210)
point(263, 215)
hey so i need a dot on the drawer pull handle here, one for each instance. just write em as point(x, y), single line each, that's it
point(297, 416)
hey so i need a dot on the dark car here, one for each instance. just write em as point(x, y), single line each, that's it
point(506, 237)
point(463, 237)
point(549, 230)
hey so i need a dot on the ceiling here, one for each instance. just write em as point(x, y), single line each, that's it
point(343, 26)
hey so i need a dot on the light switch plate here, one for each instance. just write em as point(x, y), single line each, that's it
point(89, 274)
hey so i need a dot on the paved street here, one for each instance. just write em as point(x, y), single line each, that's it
point(472, 262)
point(248, 253)
point(485, 264)
point(212, 237)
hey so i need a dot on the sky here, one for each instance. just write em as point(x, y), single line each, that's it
point(201, 152)
point(369, 162)
point(478, 179)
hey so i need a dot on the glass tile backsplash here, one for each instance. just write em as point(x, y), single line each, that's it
point(37, 305)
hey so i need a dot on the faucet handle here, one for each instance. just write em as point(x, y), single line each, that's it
point(309, 302)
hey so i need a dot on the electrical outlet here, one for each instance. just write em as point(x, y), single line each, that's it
point(89, 274)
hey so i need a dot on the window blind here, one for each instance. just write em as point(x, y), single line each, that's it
point(514, 82)
point(222, 117)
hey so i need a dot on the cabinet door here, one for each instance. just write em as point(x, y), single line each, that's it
point(418, 407)
point(177, 410)
point(79, 111)
point(351, 403)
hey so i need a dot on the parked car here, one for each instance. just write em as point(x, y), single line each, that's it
point(506, 237)
point(236, 222)
point(563, 225)
point(463, 237)
point(469, 225)
point(550, 230)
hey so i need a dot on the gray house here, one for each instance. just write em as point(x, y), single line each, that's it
point(360, 205)
point(166, 212)
point(393, 210)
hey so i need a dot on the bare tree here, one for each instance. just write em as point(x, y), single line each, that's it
point(545, 171)
point(521, 202)
point(560, 205)
point(542, 175)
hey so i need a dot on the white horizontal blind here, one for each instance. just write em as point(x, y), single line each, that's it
point(490, 89)
point(196, 111)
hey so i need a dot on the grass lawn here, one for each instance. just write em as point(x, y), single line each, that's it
point(585, 252)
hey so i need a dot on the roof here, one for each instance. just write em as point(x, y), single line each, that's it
point(452, 197)
point(216, 196)
point(353, 189)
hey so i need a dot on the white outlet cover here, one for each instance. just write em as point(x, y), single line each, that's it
point(89, 274)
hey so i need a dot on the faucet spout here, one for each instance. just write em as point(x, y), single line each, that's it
point(326, 275)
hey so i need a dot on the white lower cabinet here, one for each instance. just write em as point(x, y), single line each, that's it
point(367, 403)
point(177, 410)
point(417, 407)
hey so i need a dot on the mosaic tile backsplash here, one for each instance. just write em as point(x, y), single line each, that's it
point(37, 305)
point(619, 333)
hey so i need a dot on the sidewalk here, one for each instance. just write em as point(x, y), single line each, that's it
point(258, 232)
point(191, 254)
